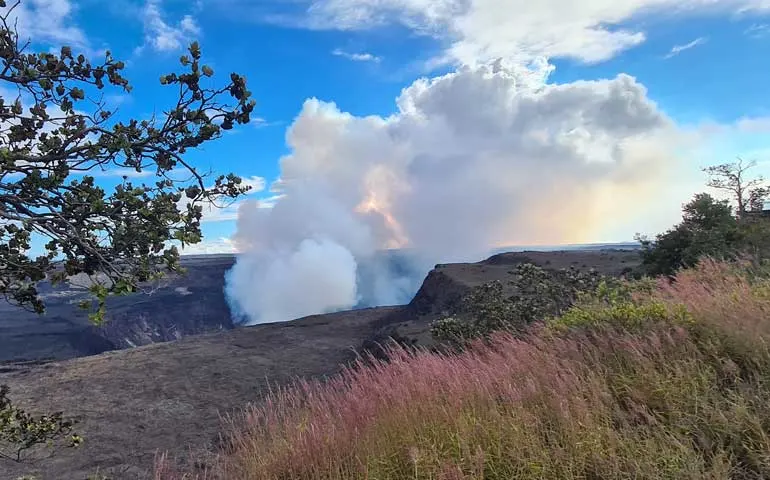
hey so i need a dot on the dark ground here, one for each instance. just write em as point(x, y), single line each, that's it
point(167, 396)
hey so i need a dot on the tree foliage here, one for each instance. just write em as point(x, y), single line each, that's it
point(51, 148)
point(20, 430)
point(708, 227)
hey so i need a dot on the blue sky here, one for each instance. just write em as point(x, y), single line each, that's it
point(704, 65)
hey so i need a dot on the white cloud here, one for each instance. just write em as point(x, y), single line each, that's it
point(256, 183)
point(179, 173)
point(480, 30)
point(758, 30)
point(256, 123)
point(208, 247)
point(479, 158)
point(356, 57)
point(754, 124)
point(122, 172)
point(162, 36)
point(189, 25)
point(269, 202)
point(48, 21)
point(223, 213)
point(677, 49)
point(259, 122)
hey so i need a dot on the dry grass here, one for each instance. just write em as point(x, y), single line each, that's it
point(670, 384)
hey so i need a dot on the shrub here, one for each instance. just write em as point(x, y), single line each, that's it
point(624, 304)
point(627, 315)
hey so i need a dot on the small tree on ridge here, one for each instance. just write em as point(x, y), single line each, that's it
point(748, 193)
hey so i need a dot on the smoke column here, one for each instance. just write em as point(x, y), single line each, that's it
point(479, 158)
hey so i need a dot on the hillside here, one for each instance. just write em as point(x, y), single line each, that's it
point(195, 303)
point(167, 396)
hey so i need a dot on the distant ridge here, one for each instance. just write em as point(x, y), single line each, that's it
point(534, 248)
point(571, 247)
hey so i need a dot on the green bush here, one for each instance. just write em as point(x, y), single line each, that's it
point(627, 315)
point(624, 305)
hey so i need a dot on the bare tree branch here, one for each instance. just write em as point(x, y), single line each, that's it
point(748, 194)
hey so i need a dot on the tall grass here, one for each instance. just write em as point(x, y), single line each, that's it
point(665, 382)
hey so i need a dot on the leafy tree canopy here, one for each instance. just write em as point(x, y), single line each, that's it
point(55, 134)
point(708, 227)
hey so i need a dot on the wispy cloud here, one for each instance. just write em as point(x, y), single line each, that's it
point(269, 202)
point(356, 57)
point(259, 122)
point(49, 21)
point(162, 36)
point(122, 172)
point(677, 49)
point(479, 31)
point(229, 211)
point(179, 173)
point(256, 183)
point(256, 123)
point(754, 125)
point(208, 247)
point(758, 30)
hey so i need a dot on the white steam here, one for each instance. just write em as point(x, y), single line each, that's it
point(476, 159)
point(321, 271)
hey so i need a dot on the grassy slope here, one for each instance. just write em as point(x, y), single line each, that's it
point(671, 383)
